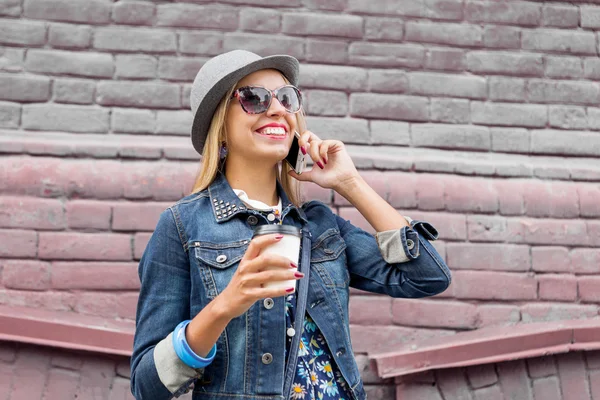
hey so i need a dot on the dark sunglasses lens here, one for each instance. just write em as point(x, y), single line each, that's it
point(255, 100)
point(289, 98)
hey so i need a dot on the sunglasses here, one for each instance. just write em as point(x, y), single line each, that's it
point(257, 99)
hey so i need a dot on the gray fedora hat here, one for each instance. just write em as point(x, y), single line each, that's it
point(219, 74)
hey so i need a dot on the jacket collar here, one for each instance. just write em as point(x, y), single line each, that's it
point(226, 204)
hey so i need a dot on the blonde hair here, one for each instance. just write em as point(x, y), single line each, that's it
point(211, 163)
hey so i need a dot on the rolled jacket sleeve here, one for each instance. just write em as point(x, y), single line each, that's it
point(402, 245)
point(157, 372)
point(400, 262)
point(398, 245)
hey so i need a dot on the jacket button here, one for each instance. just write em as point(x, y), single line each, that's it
point(267, 358)
point(410, 244)
point(221, 258)
point(268, 303)
point(252, 220)
point(341, 351)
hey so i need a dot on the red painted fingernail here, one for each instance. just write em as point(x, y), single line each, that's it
point(320, 165)
point(303, 150)
point(278, 237)
point(289, 290)
point(292, 265)
point(299, 275)
point(325, 161)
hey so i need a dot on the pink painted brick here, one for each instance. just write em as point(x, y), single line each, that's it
point(482, 375)
point(593, 229)
point(550, 259)
point(136, 216)
point(435, 314)
point(557, 287)
point(133, 13)
point(95, 275)
point(446, 59)
point(140, 241)
point(67, 360)
point(29, 376)
point(585, 261)
point(493, 229)
point(449, 226)
point(589, 288)
point(18, 243)
point(485, 285)
point(595, 384)
point(411, 392)
point(540, 367)
point(553, 232)
point(547, 388)
point(488, 393)
point(430, 192)
point(93, 12)
point(402, 189)
point(379, 339)
point(554, 199)
point(561, 16)
point(127, 304)
point(511, 196)
point(370, 310)
point(557, 312)
point(96, 378)
point(28, 212)
point(120, 389)
point(88, 214)
point(61, 384)
point(499, 257)
point(58, 301)
point(588, 200)
point(517, 13)
point(506, 37)
point(463, 194)
point(496, 315)
point(97, 303)
point(573, 377)
point(514, 380)
point(592, 359)
point(452, 384)
point(25, 275)
point(88, 246)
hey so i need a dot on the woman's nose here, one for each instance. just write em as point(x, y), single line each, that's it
point(276, 109)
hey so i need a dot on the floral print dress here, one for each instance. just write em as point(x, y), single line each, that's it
point(317, 376)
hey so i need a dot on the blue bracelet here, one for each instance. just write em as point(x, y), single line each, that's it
point(185, 353)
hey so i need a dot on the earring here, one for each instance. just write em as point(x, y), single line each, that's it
point(223, 151)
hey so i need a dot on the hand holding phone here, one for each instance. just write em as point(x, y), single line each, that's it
point(295, 158)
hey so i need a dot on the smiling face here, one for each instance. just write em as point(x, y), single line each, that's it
point(266, 137)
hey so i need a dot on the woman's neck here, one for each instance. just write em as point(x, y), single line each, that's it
point(258, 181)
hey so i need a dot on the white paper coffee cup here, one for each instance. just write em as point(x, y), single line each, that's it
point(288, 246)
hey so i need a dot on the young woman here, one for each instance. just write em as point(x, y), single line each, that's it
point(206, 318)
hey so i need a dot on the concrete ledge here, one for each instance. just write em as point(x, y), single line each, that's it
point(66, 330)
point(490, 345)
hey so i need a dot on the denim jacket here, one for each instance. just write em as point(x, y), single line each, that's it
point(193, 254)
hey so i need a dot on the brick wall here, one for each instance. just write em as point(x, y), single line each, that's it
point(34, 372)
point(481, 117)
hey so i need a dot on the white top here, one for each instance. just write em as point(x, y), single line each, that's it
point(255, 204)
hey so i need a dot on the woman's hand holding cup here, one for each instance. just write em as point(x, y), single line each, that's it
point(258, 276)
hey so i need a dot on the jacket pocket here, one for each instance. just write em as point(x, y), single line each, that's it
point(216, 261)
point(328, 258)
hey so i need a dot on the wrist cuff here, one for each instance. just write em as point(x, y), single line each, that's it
point(185, 352)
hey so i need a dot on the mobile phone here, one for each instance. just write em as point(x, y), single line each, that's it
point(295, 158)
